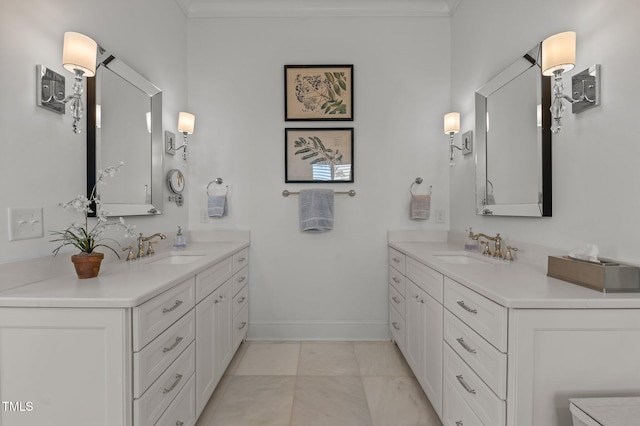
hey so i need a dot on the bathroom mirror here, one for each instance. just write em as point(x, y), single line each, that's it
point(124, 123)
point(513, 134)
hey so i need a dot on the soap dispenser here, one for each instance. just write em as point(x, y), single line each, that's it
point(470, 243)
point(180, 240)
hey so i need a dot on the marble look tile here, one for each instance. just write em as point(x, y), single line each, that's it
point(398, 401)
point(329, 401)
point(235, 361)
point(254, 400)
point(327, 359)
point(269, 359)
point(381, 359)
point(208, 411)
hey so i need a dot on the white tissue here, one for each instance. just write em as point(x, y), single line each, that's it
point(585, 252)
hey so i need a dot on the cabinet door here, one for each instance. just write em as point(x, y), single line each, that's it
point(223, 330)
point(415, 330)
point(432, 323)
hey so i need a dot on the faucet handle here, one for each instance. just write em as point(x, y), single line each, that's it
point(130, 255)
point(508, 256)
point(150, 250)
point(486, 251)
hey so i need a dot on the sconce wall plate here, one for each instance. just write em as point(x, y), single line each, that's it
point(50, 89)
point(467, 142)
point(585, 89)
point(169, 142)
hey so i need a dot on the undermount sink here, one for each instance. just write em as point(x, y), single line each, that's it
point(176, 259)
point(461, 258)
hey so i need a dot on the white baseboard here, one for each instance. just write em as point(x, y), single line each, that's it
point(319, 330)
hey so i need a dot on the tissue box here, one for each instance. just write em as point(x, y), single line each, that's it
point(608, 276)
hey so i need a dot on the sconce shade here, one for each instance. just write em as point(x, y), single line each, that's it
point(79, 53)
point(451, 123)
point(559, 53)
point(186, 122)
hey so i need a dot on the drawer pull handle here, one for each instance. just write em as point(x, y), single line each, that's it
point(241, 279)
point(395, 259)
point(466, 308)
point(173, 385)
point(242, 259)
point(172, 347)
point(242, 326)
point(396, 280)
point(465, 385)
point(465, 345)
point(242, 299)
point(459, 423)
point(179, 423)
point(395, 325)
point(167, 310)
point(216, 301)
point(395, 299)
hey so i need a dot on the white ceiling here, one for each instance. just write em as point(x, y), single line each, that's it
point(306, 8)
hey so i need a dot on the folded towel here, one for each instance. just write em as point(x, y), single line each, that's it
point(217, 205)
point(420, 207)
point(315, 207)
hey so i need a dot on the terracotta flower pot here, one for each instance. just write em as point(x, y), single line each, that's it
point(87, 264)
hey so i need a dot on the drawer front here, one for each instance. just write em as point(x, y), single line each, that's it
point(182, 411)
point(148, 409)
point(156, 315)
point(426, 278)
point(397, 280)
point(240, 300)
point(240, 259)
point(240, 280)
point(487, 362)
point(210, 279)
point(484, 316)
point(397, 327)
point(397, 260)
point(397, 300)
point(151, 361)
point(455, 411)
point(490, 409)
point(240, 327)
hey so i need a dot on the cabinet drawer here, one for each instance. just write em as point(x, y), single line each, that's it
point(156, 315)
point(426, 278)
point(182, 411)
point(397, 280)
point(240, 300)
point(240, 280)
point(397, 300)
point(455, 411)
point(397, 260)
point(484, 316)
point(240, 327)
point(240, 259)
point(490, 409)
point(397, 327)
point(148, 409)
point(487, 362)
point(151, 361)
point(210, 279)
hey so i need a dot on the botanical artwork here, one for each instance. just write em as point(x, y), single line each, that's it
point(323, 92)
point(319, 155)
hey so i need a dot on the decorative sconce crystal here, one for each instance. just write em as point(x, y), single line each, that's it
point(451, 127)
point(79, 57)
point(186, 123)
point(558, 56)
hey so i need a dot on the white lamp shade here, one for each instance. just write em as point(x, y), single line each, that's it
point(559, 53)
point(79, 53)
point(452, 123)
point(186, 122)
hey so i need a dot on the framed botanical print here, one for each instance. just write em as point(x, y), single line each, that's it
point(318, 155)
point(318, 92)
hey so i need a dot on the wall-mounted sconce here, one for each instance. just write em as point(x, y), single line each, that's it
point(78, 56)
point(585, 91)
point(451, 127)
point(558, 56)
point(50, 89)
point(186, 123)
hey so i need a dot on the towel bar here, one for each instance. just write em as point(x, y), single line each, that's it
point(351, 193)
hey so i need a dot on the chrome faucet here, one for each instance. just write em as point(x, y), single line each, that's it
point(142, 239)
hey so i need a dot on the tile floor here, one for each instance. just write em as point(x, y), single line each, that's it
point(318, 383)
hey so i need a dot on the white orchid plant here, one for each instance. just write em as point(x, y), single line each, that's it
point(80, 235)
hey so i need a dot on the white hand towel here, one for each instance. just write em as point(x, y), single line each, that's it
point(315, 207)
point(420, 207)
point(217, 205)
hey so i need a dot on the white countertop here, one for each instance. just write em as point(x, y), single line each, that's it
point(515, 284)
point(120, 284)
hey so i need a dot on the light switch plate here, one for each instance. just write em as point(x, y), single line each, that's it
point(25, 223)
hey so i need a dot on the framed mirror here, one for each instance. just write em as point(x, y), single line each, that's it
point(124, 123)
point(513, 134)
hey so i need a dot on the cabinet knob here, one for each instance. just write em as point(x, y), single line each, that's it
point(395, 325)
point(395, 259)
point(395, 299)
point(242, 326)
point(242, 299)
point(395, 279)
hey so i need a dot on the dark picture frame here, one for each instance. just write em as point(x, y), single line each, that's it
point(319, 155)
point(318, 92)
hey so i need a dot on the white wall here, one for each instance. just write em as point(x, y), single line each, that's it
point(43, 163)
point(595, 157)
point(332, 285)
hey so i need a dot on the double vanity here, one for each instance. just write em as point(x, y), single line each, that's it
point(499, 343)
point(145, 343)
